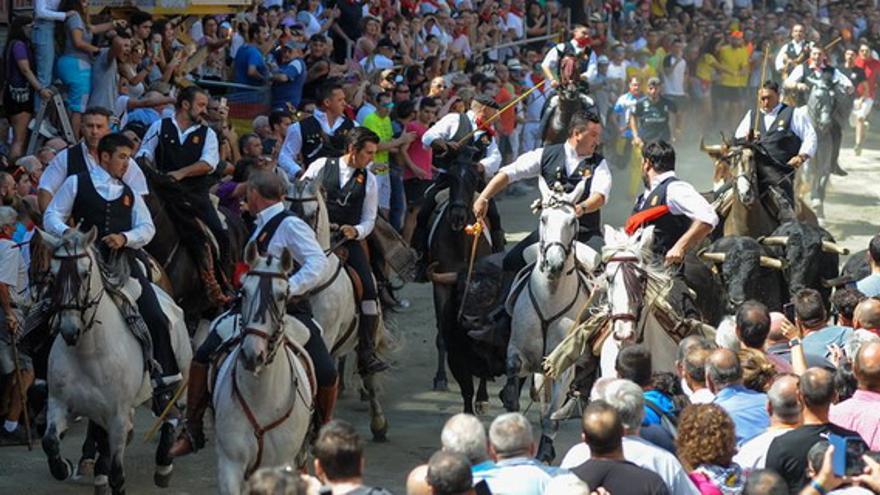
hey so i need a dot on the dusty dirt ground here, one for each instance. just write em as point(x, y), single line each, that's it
point(415, 412)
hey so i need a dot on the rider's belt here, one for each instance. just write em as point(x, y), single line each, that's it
point(636, 220)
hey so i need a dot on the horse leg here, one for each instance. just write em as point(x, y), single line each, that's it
point(441, 382)
point(230, 475)
point(341, 372)
point(102, 463)
point(378, 421)
point(462, 375)
point(86, 464)
point(117, 437)
point(56, 424)
point(510, 393)
point(557, 392)
point(164, 461)
point(481, 406)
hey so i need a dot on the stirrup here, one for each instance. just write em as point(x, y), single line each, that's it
point(188, 442)
point(370, 364)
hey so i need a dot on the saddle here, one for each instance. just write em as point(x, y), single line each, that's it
point(356, 283)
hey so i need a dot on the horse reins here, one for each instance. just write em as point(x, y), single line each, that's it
point(624, 263)
point(70, 272)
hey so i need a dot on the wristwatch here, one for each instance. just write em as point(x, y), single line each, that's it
point(794, 342)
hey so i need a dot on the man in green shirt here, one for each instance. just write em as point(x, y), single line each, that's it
point(380, 123)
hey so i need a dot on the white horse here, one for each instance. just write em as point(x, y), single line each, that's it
point(334, 303)
point(545, 310)
point(264, 393)
point(96, 369)
point(634, 286)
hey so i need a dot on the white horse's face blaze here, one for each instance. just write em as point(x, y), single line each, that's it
point(620, 250)
point(745, 174)
point(558, 228)
point(264, 301)
point(72, 267)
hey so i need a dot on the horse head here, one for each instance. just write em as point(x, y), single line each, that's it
point(558, 227)
point(77, 288)
point(820, 105)
point(737, 163)
point(305, 199)
point(624, 258)
point(264, 301)
point(463, 182)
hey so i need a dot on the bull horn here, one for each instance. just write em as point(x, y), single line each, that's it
point(775, 240)
point(831, 247)
point(768, 262)
point(714, 149)
point(713, 257)
point(443, 278)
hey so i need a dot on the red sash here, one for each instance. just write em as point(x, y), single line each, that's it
point(637, 220)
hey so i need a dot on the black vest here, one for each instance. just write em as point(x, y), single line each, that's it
point(173, 155)
point(76, 160)
point(92, 210)
point(344, 204)
point(669, 228)
point(553, 171)
point(810, 78)
point(316, 144)
point(791, 52)
point(780, 141)
point(464, 128)
point(569, 49)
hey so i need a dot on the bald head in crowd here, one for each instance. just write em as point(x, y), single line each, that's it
point(867, 314)
point(783, 403)
point(817, 390)
point(602, 430)
point(723, 370)
point(866, 366)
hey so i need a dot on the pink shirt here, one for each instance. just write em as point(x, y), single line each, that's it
point(861, 414)
point(420, 155)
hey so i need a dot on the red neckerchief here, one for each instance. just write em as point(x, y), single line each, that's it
point(637, 220)
point(515, 11)
point(485, 127)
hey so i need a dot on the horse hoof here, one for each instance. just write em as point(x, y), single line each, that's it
point(546, 451)
point(441, 385)
point(102, 485)
point(162, 476)
point(379, 428)
point(61, 468)
point(365, 397)
point(85, 467)
point(481, 408)
point(509, 396)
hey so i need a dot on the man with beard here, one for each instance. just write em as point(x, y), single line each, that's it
point(186, 150)
point(83, 156)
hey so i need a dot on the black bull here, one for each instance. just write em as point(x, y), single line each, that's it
point(747, 272)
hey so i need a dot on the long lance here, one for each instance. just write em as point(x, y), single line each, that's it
point(499, 112)
point(760, 82)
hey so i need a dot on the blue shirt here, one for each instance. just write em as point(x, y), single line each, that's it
point(870, 285)
point(246, 56)
point(660, 401)
point(517, 476)
point(747, 408)
point(290, 91)
point(816, 343)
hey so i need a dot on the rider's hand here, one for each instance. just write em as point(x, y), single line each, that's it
point(480, 206)
point(115, 241)
point(554, 83)
point(349, 232)
point(580, 210)
point(675, 256)
point(796, 161)
point(176, 175)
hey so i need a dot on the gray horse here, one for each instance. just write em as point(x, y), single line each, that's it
point(827, 106)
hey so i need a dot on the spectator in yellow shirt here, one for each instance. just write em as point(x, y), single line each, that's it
point(733, 78)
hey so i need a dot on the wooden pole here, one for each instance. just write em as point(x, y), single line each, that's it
point(499, 112)
point(760, 83)
point(23, 393)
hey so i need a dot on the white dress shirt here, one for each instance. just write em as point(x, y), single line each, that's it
point(551, 60)
point(528, 165)
point(47, 10)
point(109, 188)
point(779, 61)
point(753, 453)
point(295, 235)
point(287, 158)
point(683, 199)
point(800, 125)
point(371, 198)
point(795, 76)
point(446, 128)
point(645, 455)
point(210, 150)
point(13, 271)
point(56, 173)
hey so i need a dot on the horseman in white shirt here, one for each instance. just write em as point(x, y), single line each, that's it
point(568, 163)
point(276, 229)
point(789, 139)
point(789, 54)
point(98, 198)
point(578, 47)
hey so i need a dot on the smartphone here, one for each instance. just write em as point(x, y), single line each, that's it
point(788, 311)
point(848, 451)
point(157, 47)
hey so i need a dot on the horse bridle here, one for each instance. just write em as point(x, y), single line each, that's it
point(276, 315)
point(566, 249)
point(625, 263)
point(296, 206)
point(81, 304)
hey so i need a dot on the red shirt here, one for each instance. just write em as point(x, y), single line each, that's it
point(872, 71)
point(420, 155)
point(507, 120)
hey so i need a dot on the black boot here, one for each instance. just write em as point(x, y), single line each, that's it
point(498, 240)
point(368, 362)
point(781, 205)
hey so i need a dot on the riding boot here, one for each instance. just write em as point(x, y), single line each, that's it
point(192, 438)
point(368, 362)
point(325, 402)
point(498, 240)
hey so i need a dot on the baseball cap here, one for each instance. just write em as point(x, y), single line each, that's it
point(513, 64)
point(654, 81)
point(602, 60)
